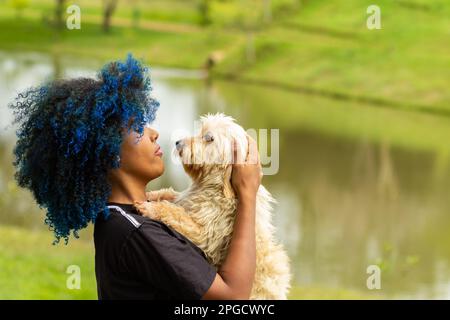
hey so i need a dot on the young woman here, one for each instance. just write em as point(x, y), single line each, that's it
point(85, 151)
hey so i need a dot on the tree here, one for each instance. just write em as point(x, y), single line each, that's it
point(109, 6)
point(59, 13)
point(204, 8)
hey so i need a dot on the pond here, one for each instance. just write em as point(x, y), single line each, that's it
point(357, 185)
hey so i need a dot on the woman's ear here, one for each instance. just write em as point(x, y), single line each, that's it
point(228, 190)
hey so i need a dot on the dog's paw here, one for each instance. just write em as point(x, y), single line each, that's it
point(163, 194)
point(146, 209)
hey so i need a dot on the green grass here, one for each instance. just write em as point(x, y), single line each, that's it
point(326, 46)
point(157, 10)
point(321, 293)
point(157, 48)
point(222, 13)
point(32, 268)
point(323, 46)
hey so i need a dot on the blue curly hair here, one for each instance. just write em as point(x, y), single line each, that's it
point(69, 135)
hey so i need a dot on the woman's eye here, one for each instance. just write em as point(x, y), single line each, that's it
point(208, 137)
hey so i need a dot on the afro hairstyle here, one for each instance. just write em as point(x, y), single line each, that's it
point(69, 136)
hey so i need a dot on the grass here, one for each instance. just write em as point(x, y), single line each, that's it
point(32, 268)
point(321, 293)
point(327, 47)
point(222, 13)
point(322, 47)
point(159, 48)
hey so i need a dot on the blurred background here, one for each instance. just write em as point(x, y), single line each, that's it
point(364, 120)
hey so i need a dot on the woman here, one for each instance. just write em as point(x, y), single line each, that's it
point(85, 151)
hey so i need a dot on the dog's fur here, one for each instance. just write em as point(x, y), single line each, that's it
point(205, 212)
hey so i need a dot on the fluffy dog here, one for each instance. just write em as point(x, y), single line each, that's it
point(205, 212)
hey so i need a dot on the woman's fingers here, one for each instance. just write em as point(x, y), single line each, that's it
point(252, 155)
point(237, 153)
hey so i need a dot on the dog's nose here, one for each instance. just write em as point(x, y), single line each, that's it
point(179, 144)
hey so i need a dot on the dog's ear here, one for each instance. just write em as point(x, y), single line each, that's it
point(228, 190)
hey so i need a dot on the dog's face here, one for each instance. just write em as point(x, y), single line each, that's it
point(210, 152)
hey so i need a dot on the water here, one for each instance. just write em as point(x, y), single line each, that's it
point(356, 185)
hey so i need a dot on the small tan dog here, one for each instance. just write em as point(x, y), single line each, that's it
point(205, 212)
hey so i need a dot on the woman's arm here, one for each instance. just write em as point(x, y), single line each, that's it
point(235, 277)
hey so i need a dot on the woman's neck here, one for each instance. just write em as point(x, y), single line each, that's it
point(127, 190)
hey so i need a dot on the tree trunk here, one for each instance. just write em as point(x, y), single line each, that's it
point(204, 8)
point(59, 12)
point(109, 6)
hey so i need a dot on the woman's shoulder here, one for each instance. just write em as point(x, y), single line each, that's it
point(133, 231)
point(126, 218)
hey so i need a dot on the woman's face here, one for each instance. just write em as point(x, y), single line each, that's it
point(142, 159)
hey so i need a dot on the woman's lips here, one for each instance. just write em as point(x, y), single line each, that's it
point(158, 152)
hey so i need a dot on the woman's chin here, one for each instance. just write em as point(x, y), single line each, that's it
point(159, 171)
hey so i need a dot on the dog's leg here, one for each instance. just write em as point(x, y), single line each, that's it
point(163, 194)
point(172, 215)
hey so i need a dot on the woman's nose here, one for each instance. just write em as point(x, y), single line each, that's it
point(153, 135)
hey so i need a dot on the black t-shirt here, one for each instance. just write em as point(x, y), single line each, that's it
point(141, 258)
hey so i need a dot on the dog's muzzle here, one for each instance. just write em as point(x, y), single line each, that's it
point(179, 145)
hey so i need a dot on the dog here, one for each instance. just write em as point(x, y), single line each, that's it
point(205, 211)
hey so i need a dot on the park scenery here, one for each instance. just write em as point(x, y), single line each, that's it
point(356, 90)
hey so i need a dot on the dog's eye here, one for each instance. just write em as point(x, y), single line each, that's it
point(208, 137)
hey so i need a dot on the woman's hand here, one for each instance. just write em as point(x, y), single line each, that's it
point(247, 173)
point(234, 279)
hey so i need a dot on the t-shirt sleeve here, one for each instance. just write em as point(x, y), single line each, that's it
point(168, 261)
